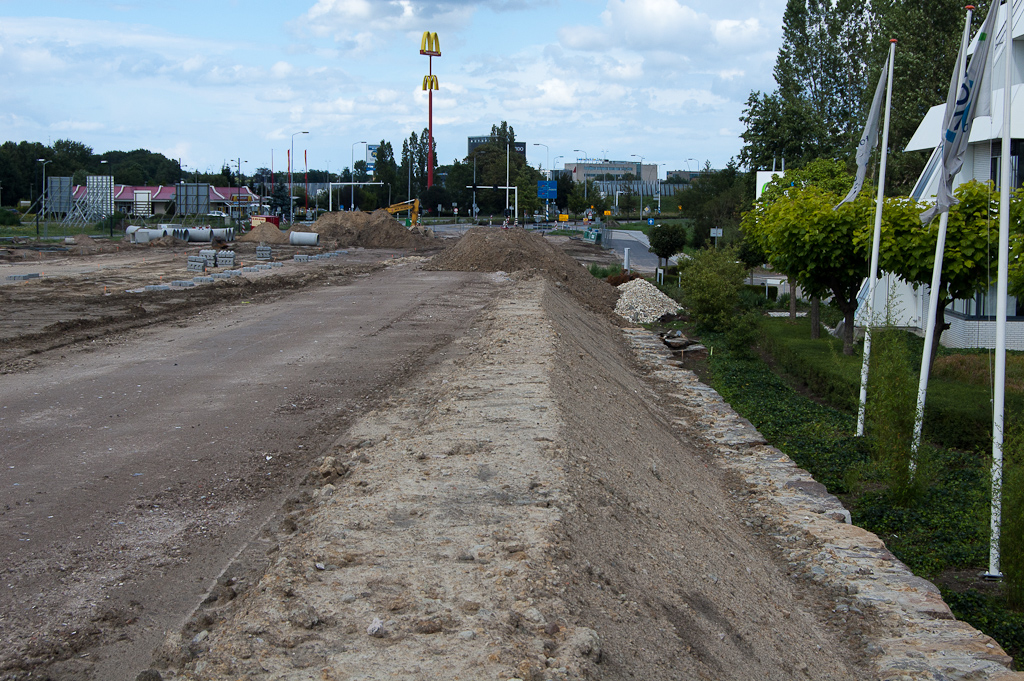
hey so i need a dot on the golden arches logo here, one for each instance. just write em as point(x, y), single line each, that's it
point(429, 82)
point(430, 44)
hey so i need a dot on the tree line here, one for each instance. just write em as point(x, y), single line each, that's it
point(832, 54)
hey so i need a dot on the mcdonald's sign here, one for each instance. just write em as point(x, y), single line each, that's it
point(429, 82)
point(430, 45)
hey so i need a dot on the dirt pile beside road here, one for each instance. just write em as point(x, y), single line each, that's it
point(86, 245)
point(491, 249)
point(265, 232)
point(379, 229)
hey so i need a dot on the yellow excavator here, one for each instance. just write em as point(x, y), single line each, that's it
point(412, 206)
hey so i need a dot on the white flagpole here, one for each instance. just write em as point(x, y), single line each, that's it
point(875, 241)
point(934, 293)
point(999, 402)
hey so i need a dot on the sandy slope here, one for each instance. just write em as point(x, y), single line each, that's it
point(522, 511)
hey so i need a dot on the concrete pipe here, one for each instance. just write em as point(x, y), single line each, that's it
point(200, 235)
point(304, 238)
point(225, 233)
point(130, 231)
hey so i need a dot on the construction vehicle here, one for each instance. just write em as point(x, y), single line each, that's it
point(412, 206)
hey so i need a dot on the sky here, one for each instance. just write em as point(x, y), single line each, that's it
point(228, 81)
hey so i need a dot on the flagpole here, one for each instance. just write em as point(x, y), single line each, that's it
point(875, 241)
point(940, 245)
point(999, 401)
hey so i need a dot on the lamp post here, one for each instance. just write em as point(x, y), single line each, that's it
point(291, 192)
point(352, 204)
point(238, 196)
point(547, 152)
point(640, 187)
point(584, 172)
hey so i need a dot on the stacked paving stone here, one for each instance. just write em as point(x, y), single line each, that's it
point(641, 302)
point(263, 253)
point(921, 639)
point(197, 263)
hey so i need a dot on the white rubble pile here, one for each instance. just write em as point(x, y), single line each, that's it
point(641, 302)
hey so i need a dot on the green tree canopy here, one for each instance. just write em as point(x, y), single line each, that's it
point(667, 240)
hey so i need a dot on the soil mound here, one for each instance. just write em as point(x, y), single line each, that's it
point(379, 229)
point(86, 245)
point(267, 232)
point(491, 249)
point(166, 241)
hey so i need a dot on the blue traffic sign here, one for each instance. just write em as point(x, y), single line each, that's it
point(547, 189)
point(650, 221)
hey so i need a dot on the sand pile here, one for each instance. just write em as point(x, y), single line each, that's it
point(86, 245)
point(379, 229)
point(165, 241)
point(266, 232)
point(491, 249)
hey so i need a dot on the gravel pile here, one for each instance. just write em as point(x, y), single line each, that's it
point(641, 302)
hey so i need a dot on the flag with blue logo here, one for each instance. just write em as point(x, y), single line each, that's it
point(961, 108)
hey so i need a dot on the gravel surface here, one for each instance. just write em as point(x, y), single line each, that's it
point(642, 303)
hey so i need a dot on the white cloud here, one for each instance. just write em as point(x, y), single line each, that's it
point(733, 33)
point(75, 126)
point(685, 101)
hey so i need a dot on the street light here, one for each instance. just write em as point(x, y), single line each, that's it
point(584, 173)
point(547, 152)
point(640, 187)
point(43, 195)
point(238, 196)
point(291, 185)
point(352, 205)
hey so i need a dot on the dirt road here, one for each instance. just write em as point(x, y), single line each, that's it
point(359, 470)
point(135, 468)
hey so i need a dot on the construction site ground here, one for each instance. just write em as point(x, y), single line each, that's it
point(447, 461)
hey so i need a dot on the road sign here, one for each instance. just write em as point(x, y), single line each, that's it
point(650, 221)
point(716, 232)
point(547, 189)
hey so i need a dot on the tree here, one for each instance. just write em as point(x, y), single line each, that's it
point(711, 284)
point(386, 171)
point(279, 201)
point(908, 249)
point(820, 75)
point(818, 247)
point(716, 198)
point(667, 240)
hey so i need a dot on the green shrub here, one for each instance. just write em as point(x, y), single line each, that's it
point(604, 272)
point(9, 218)
point(891, 405)
point(1012, 532)
point(711, 285)
point(752, 300)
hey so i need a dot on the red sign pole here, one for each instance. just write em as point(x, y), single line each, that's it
point(431, 47)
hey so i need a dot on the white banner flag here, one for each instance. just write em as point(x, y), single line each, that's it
point(869, 140)
point(961, 108)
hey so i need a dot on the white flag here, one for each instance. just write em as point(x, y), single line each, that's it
point(869, 140)
point(961, 108)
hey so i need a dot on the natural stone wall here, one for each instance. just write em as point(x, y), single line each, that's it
point(922, 640)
